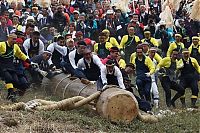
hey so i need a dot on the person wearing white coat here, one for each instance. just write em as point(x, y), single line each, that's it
point(154, 87)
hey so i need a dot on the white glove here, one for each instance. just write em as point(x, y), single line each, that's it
point(104, 87)
point(148, 74)
point(122, 53)
point(119, 38)
point(43, 73)
point(93, 82)
point(58, 71)
point(34, 65)
point(53, 68)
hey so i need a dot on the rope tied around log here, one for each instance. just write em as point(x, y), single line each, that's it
point(39, 104)
point(83, 88)
point(78, 101)
point(68, 86)
point(60, 82)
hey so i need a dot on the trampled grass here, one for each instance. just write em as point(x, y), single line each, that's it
point(87, 120)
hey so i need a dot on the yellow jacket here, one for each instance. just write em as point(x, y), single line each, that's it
point(165, 62)
point(107, 45)
point(157, 57)
point(194, 63)
point(148, 62)
point(113, 41)
point(122, 64)
point(17, 51)
point(173, 46)
point(193, 46)
point(125, 39)
point(153, 41)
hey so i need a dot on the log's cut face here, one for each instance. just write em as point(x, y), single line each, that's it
point(117, 105)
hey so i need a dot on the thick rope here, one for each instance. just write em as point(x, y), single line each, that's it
point(87, 100)
point(65, 104)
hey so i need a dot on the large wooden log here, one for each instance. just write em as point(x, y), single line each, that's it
point(114, 104)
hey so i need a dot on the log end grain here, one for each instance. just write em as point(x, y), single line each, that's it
point(117, 105)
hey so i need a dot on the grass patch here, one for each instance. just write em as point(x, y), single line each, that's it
point(86, 120)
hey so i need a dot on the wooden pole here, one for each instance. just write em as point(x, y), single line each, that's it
point(113, 104)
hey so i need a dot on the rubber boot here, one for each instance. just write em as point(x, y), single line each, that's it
point(183, 102)
point(168, 102)
point(193, 103)
point(11, 95)
point(174, 99)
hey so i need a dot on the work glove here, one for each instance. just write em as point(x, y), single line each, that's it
point(104, 87)
point(34, 65)
point(148, 74)
point(52, 67)
point(93, 82)
point(43, 73)
point(122, 53)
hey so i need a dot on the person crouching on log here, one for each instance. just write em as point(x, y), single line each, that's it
point(40, 67)
point(9, 50)
point(88, 67)
point(110, 75)
point(189, 68)
point(74, 57)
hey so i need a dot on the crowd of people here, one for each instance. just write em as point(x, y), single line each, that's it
point(95, 41)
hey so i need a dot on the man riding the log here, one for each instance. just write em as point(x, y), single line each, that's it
point(58, 50)
point(110, 75)
point(40, 67)
point(89, 66)
point(65, 59)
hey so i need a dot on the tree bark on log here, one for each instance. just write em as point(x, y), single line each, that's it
point(113, 104)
